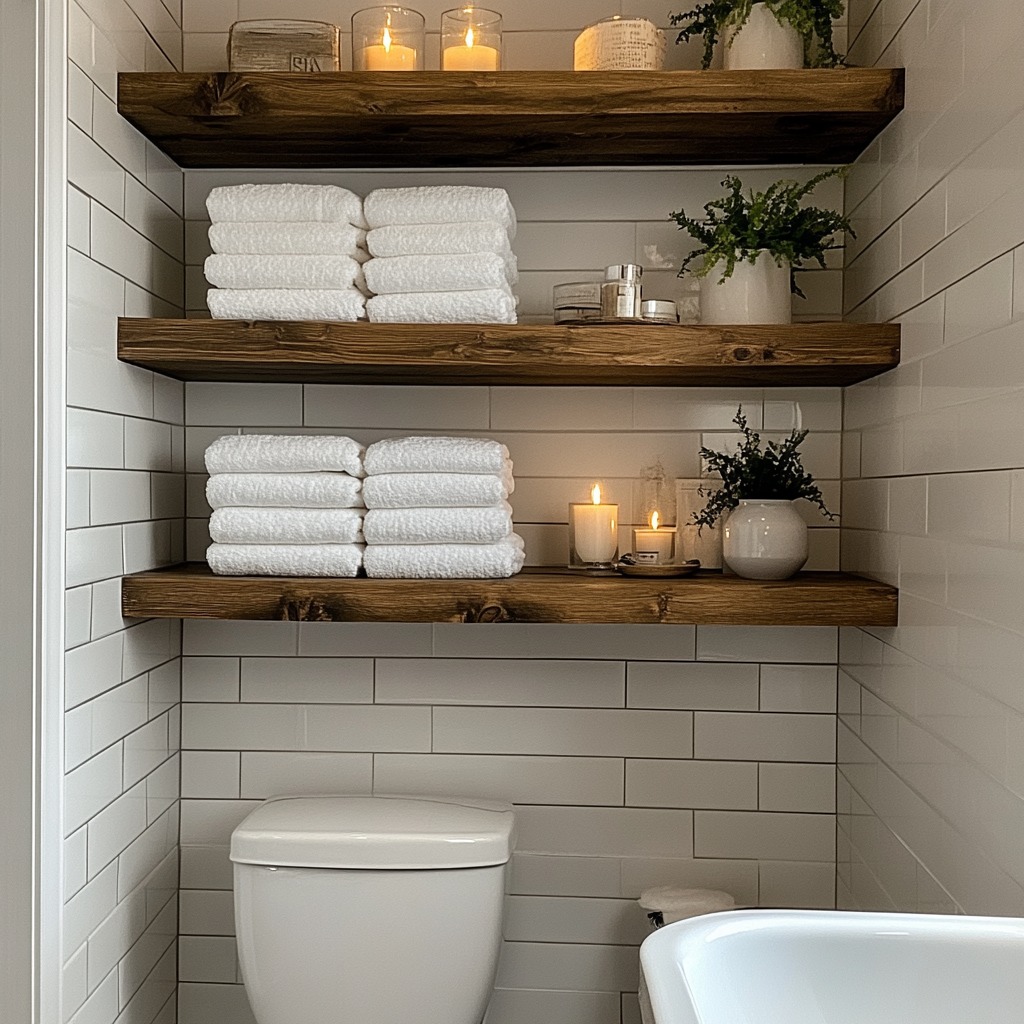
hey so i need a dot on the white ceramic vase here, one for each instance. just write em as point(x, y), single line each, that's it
point(755, 293)
point(764, 540)
point(762, 41)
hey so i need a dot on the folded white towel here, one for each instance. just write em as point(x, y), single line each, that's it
point(416, 454)
point(445, 561)
point(273, 238)
point(410, 239)
point(284, 490)
point(285, 559)
point(451, 273)
point(439, 204)
point(438, 525)
point(287, 202)
point(315, 272)
point(493, 306)
point(285, 453)
point(437, 490)
point(287, 525)
point(285, 304)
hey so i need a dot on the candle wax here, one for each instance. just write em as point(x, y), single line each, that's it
point(661, 542)
point(595, 531)
point(470, 58)
point(381, 58)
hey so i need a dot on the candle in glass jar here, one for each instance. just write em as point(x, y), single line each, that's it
point(655, 546)
point(472, 56)
point(594, 530)
point(388, 56)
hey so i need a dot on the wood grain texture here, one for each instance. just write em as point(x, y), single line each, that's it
point(816, 354)
point(810, 599)
point(522, 118)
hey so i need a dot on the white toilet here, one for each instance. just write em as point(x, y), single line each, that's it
point(370, 910)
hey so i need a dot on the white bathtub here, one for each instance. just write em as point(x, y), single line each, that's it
point(835, 967)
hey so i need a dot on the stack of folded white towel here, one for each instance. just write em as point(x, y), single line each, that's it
point(285, 506)
point(286, 252)
point(441, 254)
point(438, 509)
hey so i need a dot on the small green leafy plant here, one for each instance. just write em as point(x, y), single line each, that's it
point(811, 18)
point(739, 227)
point(772, 473)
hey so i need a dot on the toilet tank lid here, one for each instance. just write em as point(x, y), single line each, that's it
point(375, 832)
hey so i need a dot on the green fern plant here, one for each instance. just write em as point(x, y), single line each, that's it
point(740, 226)
point(811, 18)
point(772, 473)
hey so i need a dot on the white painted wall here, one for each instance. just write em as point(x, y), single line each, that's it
point(125, 500)
point(931, 739)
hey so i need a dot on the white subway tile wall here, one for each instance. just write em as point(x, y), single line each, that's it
point(931, 794)
point(125, 511)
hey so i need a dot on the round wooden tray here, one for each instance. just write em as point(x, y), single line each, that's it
point(655, 571)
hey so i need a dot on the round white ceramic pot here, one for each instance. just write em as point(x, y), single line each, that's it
point(764, 540)
point(762, 41)
point(755, 293)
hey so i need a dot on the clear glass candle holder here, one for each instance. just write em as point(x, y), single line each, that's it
point(593, 535)
point(387, 39)
point(470, 40)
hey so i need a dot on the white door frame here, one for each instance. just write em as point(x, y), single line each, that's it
point(32, 240)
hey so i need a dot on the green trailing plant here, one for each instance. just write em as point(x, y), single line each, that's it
point(740, 226)
point(770, 473)
point(812, 19)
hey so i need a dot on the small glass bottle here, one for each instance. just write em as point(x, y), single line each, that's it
point(622, 293)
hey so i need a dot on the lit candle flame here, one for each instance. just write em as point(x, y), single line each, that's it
point(469, 36)
point(654, 520)
point(386, 40)
point(595, 494)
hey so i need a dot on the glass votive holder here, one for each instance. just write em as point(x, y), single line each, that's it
point(593, 535)
point(387, 39)
point(470, 40)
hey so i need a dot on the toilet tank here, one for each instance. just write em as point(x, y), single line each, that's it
point(382, 909)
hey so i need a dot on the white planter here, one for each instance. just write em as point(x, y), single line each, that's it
point(756, 293)
point(762, 42)
point(764, 540)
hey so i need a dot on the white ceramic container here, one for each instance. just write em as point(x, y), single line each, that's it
point(755, 293)
point(810, 966)
point(764, 540)
point(762, 42)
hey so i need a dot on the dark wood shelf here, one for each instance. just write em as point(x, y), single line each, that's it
point(522, 118)
point(191, 591)
point(810, 354)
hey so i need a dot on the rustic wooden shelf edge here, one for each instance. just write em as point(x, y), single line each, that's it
point(523, 118)
point(191, 591)
point(808, 354)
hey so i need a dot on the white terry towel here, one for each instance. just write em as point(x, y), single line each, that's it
point(411, 239)
point(315, 272)
point(437, 490)
point(285, 304)
point(445, 561)
point(287, 203)
point(492, 306)
point(439, 204)
point(438, 525)
point(272, 238)
point(285, 453)
point(285, 559)
point(451, 273)
point(287, 525)
point(416, 454)
point(284, 490)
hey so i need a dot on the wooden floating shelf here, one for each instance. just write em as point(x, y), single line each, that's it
point(809, 354)
point(191, 591)
point(522, 118)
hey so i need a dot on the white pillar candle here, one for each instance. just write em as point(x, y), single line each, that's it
point(471, 57)
point(389, 58)
point(594, 529)
point(655, 546)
